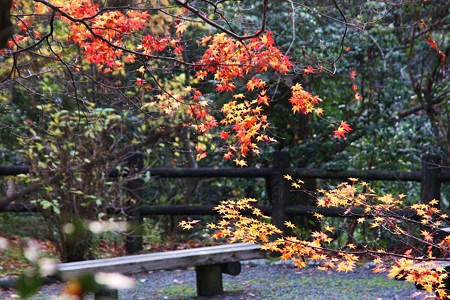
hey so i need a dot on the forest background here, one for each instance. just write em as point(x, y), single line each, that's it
point(340, 86)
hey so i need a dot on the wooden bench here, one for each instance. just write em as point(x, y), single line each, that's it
point(209, 262)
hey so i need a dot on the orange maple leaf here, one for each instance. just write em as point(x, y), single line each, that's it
point(228, 155)
point(308, 70)
point(434, 46)
point(427, 236)
point(255, 82)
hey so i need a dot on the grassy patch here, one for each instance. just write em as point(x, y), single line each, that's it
point(177, 290)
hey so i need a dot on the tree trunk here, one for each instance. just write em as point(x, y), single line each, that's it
point(6, 26)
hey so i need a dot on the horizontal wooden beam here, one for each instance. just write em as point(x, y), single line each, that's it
point(262, 173)
point(210, 172)
point(363, 175)
point(13, 170)
point(187, 210)
point(444, 177)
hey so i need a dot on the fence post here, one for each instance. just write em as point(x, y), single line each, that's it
point(430, 184)
point(134, 239)
point(280, 188)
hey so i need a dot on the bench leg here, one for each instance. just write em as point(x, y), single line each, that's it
point(106, 295)
point(209, 280)
point(233, 268)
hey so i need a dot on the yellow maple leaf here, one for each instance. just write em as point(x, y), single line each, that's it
point(344, 267)
point(287, 177)
point(289, 224)
point(426, 235)
point(351, 246)
point(240, 162)
point(374, 225)
point(295, 185)
point(205, 39)
point(187, 225)
point(211, 225)
point(433, 202)
point(319, 111)
point(264, 39)
point(329, 228)
point(318, 216)
point(378, 260)
point(395, 272)
point(141, 70)
point(181, 28)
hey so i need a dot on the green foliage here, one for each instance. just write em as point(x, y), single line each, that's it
point(66, 157)
point(28, 285)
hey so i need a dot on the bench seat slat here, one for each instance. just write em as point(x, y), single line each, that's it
point(164, 260)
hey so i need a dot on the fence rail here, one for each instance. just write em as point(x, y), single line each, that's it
point(263, 173)
point(430, 177)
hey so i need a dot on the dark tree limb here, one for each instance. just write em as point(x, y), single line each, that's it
point(200, 14)
point(420, 107)
point(6, 26)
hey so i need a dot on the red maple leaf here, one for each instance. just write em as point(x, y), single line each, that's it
point(345, 126)
point(224, 135)
point(342, 130)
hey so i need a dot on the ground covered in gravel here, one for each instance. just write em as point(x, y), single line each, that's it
point(262, 280)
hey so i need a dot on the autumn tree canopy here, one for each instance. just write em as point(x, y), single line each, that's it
point(161, 57)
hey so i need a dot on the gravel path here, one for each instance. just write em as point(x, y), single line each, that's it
point(263, 280)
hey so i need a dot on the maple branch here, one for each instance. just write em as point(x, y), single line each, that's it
point(106, 41)
point(343, 36)
point(315, 11)
point(377, 253)
point(293, 27)
point(42, 39)
point(72, 79)
point(220, 14)
point(162, 87)
point(229, 32)
point(380, 49)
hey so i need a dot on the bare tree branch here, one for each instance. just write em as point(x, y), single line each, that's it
point(203, 17)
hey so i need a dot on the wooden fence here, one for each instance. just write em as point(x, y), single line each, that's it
point(430, 176)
